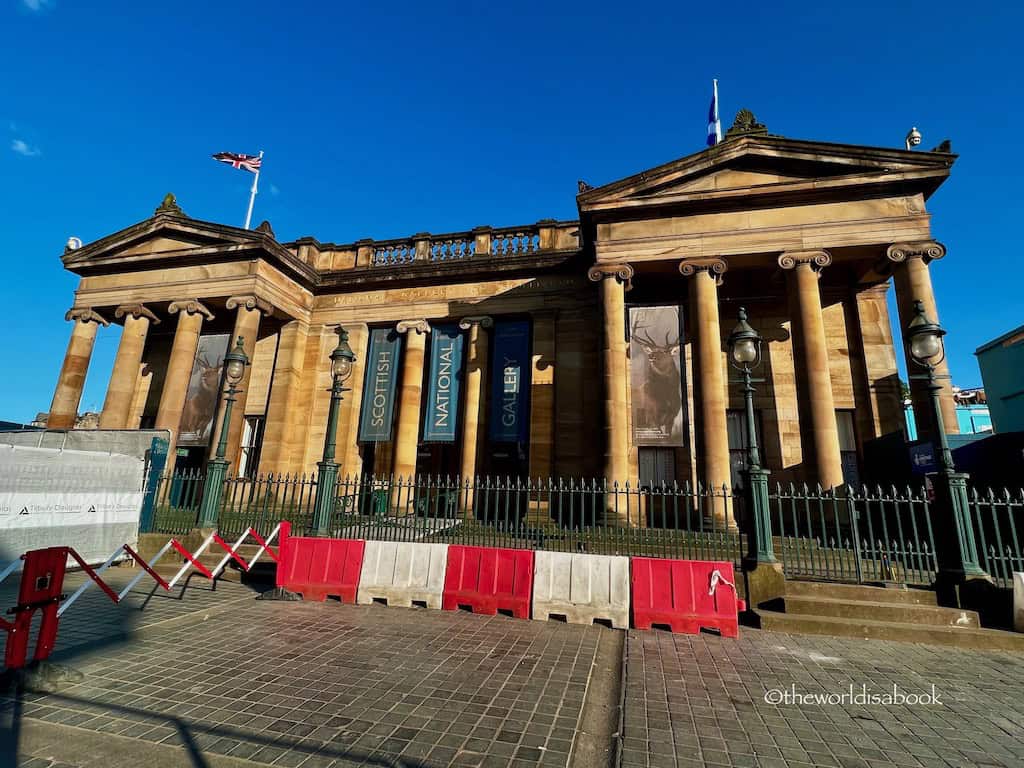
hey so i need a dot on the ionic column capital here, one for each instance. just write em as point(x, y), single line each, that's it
point(86, 315)
point(817, 260)
point(419, 326)
point(136, 311)
point(190, 307)
point(250, 303)
point(484, 321)
point(926, 250)
point(623, 273)
point(713, 266)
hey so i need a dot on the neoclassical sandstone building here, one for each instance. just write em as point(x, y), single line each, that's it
point(581, 348)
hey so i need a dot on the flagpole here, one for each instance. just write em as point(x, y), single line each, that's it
point(252, 194)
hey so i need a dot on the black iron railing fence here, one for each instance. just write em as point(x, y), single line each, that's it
point(867, 534)
point(998, 519)
point(848, 534)
point(562, 515)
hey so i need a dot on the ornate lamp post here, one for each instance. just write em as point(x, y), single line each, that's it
point(956, 547)
point(342, 359)
point(234, 368)
point(745, 355)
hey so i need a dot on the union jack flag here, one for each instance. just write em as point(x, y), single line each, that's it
point(245, 162)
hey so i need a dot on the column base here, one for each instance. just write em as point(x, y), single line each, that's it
point(765, 583)
point(975, 592)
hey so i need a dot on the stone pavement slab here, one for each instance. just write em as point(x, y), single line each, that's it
point(701, 701)
point(95, 619)
point(307, 684)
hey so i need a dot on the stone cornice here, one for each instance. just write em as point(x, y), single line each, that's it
point(136, 311)
point(419, 326)
point(484, 321)
point(714, 267)
point(928, 250)
point(86, 315)
point(191, 307)
point(818, 259)
point(623, 273)
point(250, 303)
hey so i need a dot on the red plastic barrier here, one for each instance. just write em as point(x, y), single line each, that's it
point(488, 580)
point(675, 593)
point(42, 580)
point(316, 568)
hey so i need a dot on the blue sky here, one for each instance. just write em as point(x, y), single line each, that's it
point(387, 120)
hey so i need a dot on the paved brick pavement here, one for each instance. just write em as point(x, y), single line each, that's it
point(700, 701)
point(318, 685)
point(218, 679)
point(94, 618)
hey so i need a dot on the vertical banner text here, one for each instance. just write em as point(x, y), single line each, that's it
point(510, 382)
point(444, 383)
point(379, 386)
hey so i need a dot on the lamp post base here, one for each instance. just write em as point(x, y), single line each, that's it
point(213, 488)
point(323, 505)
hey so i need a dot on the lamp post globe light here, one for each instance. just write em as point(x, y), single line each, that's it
point(342, 360)
point(235, 362)
point(956, 547)
point(745, 356)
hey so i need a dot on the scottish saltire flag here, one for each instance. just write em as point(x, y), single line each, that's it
point(714, 124)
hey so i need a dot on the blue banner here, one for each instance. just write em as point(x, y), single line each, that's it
point(379, 386)
point(510, 382)
point(444, 383)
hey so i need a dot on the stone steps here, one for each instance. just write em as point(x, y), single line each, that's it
point(880, 613)
point(833, 591)
point(957, 637)
point(887, 611)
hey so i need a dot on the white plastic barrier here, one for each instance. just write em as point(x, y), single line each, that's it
point(581, 588)
point(1018, 602)
point(403, 574)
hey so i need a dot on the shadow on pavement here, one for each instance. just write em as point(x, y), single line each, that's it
point(91, 625)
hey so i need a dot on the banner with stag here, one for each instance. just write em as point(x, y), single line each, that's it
point(202, 397)
point(656, 378)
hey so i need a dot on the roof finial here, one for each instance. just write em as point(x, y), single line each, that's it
point(169, 207)
point(746, 124)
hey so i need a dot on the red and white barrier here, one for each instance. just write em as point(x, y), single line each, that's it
point(42, 582)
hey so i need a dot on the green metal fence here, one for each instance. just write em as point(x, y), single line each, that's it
point(865, 535)
point(858, 535)
point(998, 517)
point(561, 515)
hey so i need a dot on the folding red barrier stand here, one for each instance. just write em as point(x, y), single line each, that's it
point(316, 568)
point(487, 580)
point(42, 580)
point(681, 595)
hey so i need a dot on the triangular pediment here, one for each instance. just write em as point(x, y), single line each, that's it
point(754, 166)
point(169, 239)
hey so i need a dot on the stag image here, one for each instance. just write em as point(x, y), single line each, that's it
point(657, 402)
point(202, 399)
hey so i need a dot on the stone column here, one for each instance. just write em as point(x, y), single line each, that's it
point(117, 407)
point(819, 433)
point(913, 282)
point(712, 433)
point(247, 325)
point(179, 369)
point(615, 280)
point(279, 433)
point(473, 401)
point(408, 433)
point(68, 393)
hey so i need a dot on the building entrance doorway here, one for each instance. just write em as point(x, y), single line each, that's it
point(437, 460)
